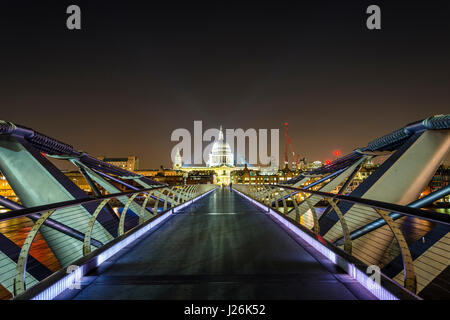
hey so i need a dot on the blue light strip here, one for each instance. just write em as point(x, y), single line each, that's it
point(376, 289)
point(57, 288)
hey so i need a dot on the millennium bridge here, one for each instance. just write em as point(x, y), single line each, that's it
point(303, 239)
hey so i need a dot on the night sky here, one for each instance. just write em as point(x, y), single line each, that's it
point(140, 69)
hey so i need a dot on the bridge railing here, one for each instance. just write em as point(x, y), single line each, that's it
point(389, 243)
point(46, 250)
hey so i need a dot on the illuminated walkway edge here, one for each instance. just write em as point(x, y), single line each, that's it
point(387, 290)
point(57, 283)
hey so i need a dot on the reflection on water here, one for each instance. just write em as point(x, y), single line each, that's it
point(16, 230)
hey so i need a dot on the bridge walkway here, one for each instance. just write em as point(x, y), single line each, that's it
point(221, 247)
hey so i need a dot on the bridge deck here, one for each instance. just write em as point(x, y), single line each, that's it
point(221, 247)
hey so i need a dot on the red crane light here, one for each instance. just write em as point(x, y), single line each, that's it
point(337, 153)
point(327, 162)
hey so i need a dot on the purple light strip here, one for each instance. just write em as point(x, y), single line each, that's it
point(376, 289)
point(57, 288)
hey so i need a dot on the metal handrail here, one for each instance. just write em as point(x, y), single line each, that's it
point(64, 204)
point(381, 208)
point(19, 281)
point(376, 204)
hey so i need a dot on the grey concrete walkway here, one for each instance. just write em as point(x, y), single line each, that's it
point(220, 248)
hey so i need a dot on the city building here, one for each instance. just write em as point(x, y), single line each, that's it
point(178, 177)
point(366, 170)
point(220, 161)
point(257, 176)
point(221, 169)
point(440, 180)
point(79, 180)
point(6, 191)
point(313, 165)
point(201, 177)
point(221, 154)
point(130, 163)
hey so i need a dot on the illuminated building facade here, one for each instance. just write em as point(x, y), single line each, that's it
point(6, 191)
point(220, 161)
point(79, 180)
point(221, 154)
point(178, 177)
point(258, 176)
point(441, 179)
point(130, 163)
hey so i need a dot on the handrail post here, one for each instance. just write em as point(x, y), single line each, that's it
point(345, 231)
point(410, 280)
point(19, 283)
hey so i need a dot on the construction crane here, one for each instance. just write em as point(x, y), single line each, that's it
point(295, 159)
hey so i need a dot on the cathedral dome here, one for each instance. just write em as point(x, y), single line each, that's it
point(220, 153)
